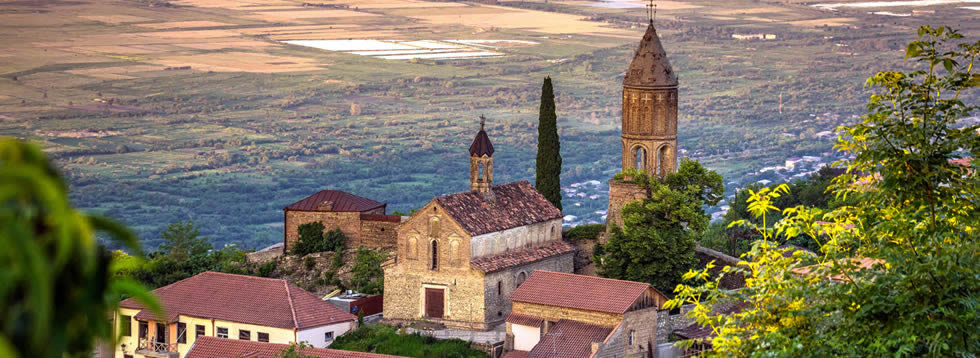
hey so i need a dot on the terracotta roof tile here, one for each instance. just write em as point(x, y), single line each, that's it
point(244, 299)
point(487, 264)
point(569, 339)
point(515, 354)
point(511, 205)
point(213, 347)
point(579, 291)
point(524, 320)
point(334, 200)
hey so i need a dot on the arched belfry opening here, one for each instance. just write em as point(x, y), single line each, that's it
point(640, 158)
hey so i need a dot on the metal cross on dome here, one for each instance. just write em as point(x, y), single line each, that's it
point(651, 11)
point(483, 121)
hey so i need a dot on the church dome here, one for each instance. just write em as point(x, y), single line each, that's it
point(650, 67)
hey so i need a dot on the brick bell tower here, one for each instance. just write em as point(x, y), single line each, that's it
point(649, 122)
point(481, 160)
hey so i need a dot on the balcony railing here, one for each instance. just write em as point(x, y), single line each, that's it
point(154, 346)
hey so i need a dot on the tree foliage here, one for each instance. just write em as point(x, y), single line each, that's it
point(182, 240)
point(367, 275)
point(57, 284)
point(915, 219)
point(656, 243)
point(312, 239)
point(548, 180)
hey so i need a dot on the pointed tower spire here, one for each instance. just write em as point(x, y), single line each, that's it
point(650, 67)
point(481, 160)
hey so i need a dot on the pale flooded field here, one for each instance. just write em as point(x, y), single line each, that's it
point(909, 3)
point(420, 49)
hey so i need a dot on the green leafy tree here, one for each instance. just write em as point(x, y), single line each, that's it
point(657, 241)
point(367, 275)
point(295, 350)
point(548, 180)
point(312, 239)
point(914, 224)
point(57, 283)
point(183, 240)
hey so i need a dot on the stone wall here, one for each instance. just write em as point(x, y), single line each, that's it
point(377, 232)
point(407, 278)
point(371, 230)
point(620, 194)
point(498, 305)
point(348, 222)
point(667, 323)
point(644, 325)
point(555, 313)
point(496, 243)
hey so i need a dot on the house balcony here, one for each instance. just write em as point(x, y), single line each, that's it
point(153, 348)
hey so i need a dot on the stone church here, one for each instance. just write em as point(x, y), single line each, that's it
point(461, 255)
point(649, 122)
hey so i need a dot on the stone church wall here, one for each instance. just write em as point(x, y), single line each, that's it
point(496, 243)
point(498, 305)
point(377, 231)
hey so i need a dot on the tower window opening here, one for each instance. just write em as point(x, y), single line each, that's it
point(479, 173)
point(640, 158)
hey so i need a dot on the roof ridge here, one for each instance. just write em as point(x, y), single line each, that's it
point(238, 275)
point(289, 298)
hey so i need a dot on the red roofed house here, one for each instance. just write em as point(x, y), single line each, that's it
point(362, 220)
point(213, 304)
point(559, 314)
point(213, 347)
point(462, 254)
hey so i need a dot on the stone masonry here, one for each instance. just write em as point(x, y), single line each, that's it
point(620, 194)
point(374, 230)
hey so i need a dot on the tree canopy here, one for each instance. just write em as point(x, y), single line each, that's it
point(657, 241)
point(182, 240)
point(896, 272)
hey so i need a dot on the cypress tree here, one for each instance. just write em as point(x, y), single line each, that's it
point(549, 149)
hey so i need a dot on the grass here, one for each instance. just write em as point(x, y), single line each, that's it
point(386, 340)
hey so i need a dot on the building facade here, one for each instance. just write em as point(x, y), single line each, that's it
point(223, 305)
point(362, 220)
point(649, 122)
point(462, 254)
point(559, 314)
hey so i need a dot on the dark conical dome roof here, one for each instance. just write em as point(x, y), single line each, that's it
point(650, 67)
point(481, 144)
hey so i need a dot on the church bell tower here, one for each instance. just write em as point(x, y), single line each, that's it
point(481, 160)
point(650, 110)
point(649, 123)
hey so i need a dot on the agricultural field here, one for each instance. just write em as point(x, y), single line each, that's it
point(225, 111)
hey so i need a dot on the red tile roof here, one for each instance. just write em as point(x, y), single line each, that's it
point(335, 200)
point(569, 339)
point(588, 293)
point(861, 263)
point(214, 347)
point(513, 258)
point(524, 320)
point(481, 144)
point(244, 299)
point(515, 354)
point(511, 205)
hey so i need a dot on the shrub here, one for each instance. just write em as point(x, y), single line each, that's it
point(384, 339)
point(585, 232)
point(266, 269)
point(338, 259)
point(309, 263)
point(312, 239)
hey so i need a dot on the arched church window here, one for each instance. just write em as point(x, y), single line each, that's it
point(640, 156)
point(435, 255)
point(434, 227)
point(454, 252)
point(413, 248)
